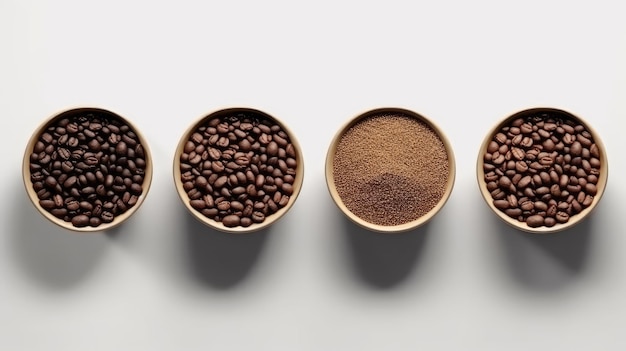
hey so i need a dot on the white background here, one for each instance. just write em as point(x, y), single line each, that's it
point(313, 281)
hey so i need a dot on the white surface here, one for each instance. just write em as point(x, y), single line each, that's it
point(314, 281)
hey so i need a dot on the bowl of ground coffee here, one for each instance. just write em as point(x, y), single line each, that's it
point(542, 170)
point(87, 169)
point(238, 170)
point(390, 170)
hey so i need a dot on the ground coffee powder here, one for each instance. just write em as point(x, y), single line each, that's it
point(390, 169)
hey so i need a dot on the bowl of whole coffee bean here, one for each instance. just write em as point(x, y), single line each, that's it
point(238, 169)
point(542, 170)
point(87, 169)
point(390, 170)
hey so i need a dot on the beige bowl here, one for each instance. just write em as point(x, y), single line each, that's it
point(269, 220)
point(32, 194)
point(332, 187)
point(574, 219)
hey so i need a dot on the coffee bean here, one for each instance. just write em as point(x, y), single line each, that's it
point(498, 194)
point(231, 221)
point(287, 189)
point(535, 221)
point(223, 206)
point(221, 181)
point(198, 204)
point(591, 189)
point(562, 217)
point(136, 189)
point(513, 212)
point(47, 204)
point(245, 222)
point(501, 204)
point(59, 212)
point(257, 217)
point(576, 148)
point(51, 181)
point(518, 153)
point(80, 221)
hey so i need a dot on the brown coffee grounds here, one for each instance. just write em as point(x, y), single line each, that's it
point(390, 169)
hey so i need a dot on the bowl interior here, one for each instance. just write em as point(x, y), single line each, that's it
point(32, 194)
point(269, 220)
point(330, 177)
point(482, 184)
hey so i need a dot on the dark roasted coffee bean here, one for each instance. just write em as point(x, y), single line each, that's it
point(107, 216)
point(290, 150)
point(591, 189)
point(223, 206)
point(287, 189)
point(47, 204)
point(94, 221)
point(236, 206)
point(221, 181)
point(217, 166)
point(59, 212)
point(535, 221)
point(245, 222)
point(80, 221)
point(198, 204)
point(136, 189)
point(501, 204)
point(513, 212)
point(258, 217)
point(272, 148)
point(562, 217)
point(231, 220)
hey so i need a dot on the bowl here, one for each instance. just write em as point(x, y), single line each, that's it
point(87, 169)
point(553, 165)
point(384, 170)
point(238, 170)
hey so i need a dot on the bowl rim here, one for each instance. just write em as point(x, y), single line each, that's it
point(32, 195)
point(405, 227)
point(211, 223)
point(602, 178)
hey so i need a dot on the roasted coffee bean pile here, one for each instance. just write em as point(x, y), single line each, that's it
point(542, 169)
point(238, 169)
point(87, 169)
